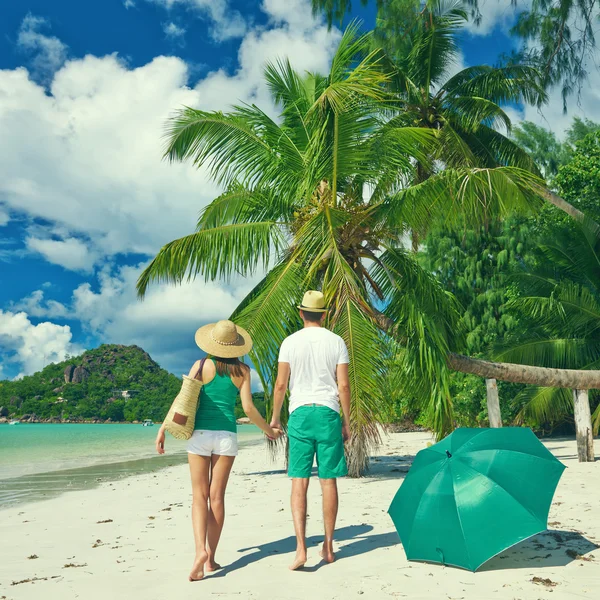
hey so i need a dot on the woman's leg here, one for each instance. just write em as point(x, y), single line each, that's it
point(221, 468)
point(199, 470)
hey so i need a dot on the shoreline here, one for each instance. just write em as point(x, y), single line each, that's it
point(6, 421)
point(132, 538)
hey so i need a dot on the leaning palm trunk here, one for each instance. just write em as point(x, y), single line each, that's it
point(515, 373)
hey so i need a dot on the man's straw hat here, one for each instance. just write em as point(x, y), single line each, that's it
point(224, 340)
point(313, 302)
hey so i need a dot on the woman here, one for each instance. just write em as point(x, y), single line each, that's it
point(213, 446)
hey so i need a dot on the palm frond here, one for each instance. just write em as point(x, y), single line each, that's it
point(213, 252)
point(470, 194)
point(506, 85)
point(367, 407)
point(543, 405)
point(242, 205)
point(472, 112)
point(427, 320)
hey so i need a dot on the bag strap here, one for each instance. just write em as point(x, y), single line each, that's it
point(200, 369)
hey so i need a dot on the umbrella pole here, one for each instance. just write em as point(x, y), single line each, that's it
point(493, 403)
point(583, 426)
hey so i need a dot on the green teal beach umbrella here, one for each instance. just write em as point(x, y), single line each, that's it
point(474, 494)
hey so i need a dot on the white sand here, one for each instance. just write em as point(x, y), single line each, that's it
point(147, 550)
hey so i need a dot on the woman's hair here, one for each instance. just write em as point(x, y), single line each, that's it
point(232, 367)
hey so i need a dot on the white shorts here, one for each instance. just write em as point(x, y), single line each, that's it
point(206, 443)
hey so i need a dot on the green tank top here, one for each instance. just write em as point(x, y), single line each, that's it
point(216, 408)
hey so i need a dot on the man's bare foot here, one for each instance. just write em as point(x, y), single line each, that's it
point(197, 572)
point(211, 566)
point(299, 561)
point(327, 553)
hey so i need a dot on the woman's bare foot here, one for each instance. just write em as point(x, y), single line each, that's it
point(327, 553)
point(211, 566)
point(197, 572)
point(299, 561)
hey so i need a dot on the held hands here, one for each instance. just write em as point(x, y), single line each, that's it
point(277, 429)
point(277, 432)
point(160, 441)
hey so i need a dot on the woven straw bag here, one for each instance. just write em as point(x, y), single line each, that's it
point(181, 417)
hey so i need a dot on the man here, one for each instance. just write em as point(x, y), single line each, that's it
point(315, 362)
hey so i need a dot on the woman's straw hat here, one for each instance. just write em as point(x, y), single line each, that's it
point(313, 302)
point(224, 340)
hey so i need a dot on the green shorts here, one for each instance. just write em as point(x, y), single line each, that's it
point(315, 429)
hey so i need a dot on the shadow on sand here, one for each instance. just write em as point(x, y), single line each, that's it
point(356, 534)
point(381, 467)
point(548, 549)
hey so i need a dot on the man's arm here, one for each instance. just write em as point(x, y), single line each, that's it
point(281, 385)
point(343, 381)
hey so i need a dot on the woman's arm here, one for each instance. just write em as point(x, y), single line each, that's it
point(160, 436)
point(251, 410)
point(160, 440)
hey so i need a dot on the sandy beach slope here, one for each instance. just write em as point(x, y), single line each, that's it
point(146, 549)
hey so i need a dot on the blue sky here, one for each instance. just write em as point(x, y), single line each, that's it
point(85, 200)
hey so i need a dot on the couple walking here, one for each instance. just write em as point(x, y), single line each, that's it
point(314, 363)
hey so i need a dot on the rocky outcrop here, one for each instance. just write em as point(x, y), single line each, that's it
point(58, 390)
point(69, 373)
point(3, 411)
point(80, 374)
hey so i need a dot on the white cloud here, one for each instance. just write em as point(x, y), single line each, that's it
point(33, 346)
point(4, 216)
point(70, 253)
point(226, 22)
point(48, 52)
point(551, 116)
point(36, 306)
point(163, 324)
point(173, 31)
point(497, 14)
point(87, 157)
point(128, 4)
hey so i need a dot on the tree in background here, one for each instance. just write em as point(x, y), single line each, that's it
point(464, 109)
point(557, 36)
point(546, 150)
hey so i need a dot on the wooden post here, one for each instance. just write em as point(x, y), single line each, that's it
point(583, 426)
point(493, 403)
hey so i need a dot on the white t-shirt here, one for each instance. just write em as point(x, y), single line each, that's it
point(313, 354)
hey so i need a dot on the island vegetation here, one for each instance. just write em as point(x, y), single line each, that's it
point(111, 383)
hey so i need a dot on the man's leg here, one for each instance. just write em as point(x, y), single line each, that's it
point(301, 457)
point(299, 492)
point(332, 464)
point(330, 510)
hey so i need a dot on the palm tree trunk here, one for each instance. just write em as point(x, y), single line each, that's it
point(493, 403)
point(560, 203)
point(583, 426)
point(564, 378)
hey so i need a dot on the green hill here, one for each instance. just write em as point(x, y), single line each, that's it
point(112, 382)
point(120, 383)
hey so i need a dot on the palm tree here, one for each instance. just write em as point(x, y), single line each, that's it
point(561, 305)
point(307, 200)
point(466, 108)
point(318, 198)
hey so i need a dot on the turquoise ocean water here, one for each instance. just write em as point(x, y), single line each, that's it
point(39, 461)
